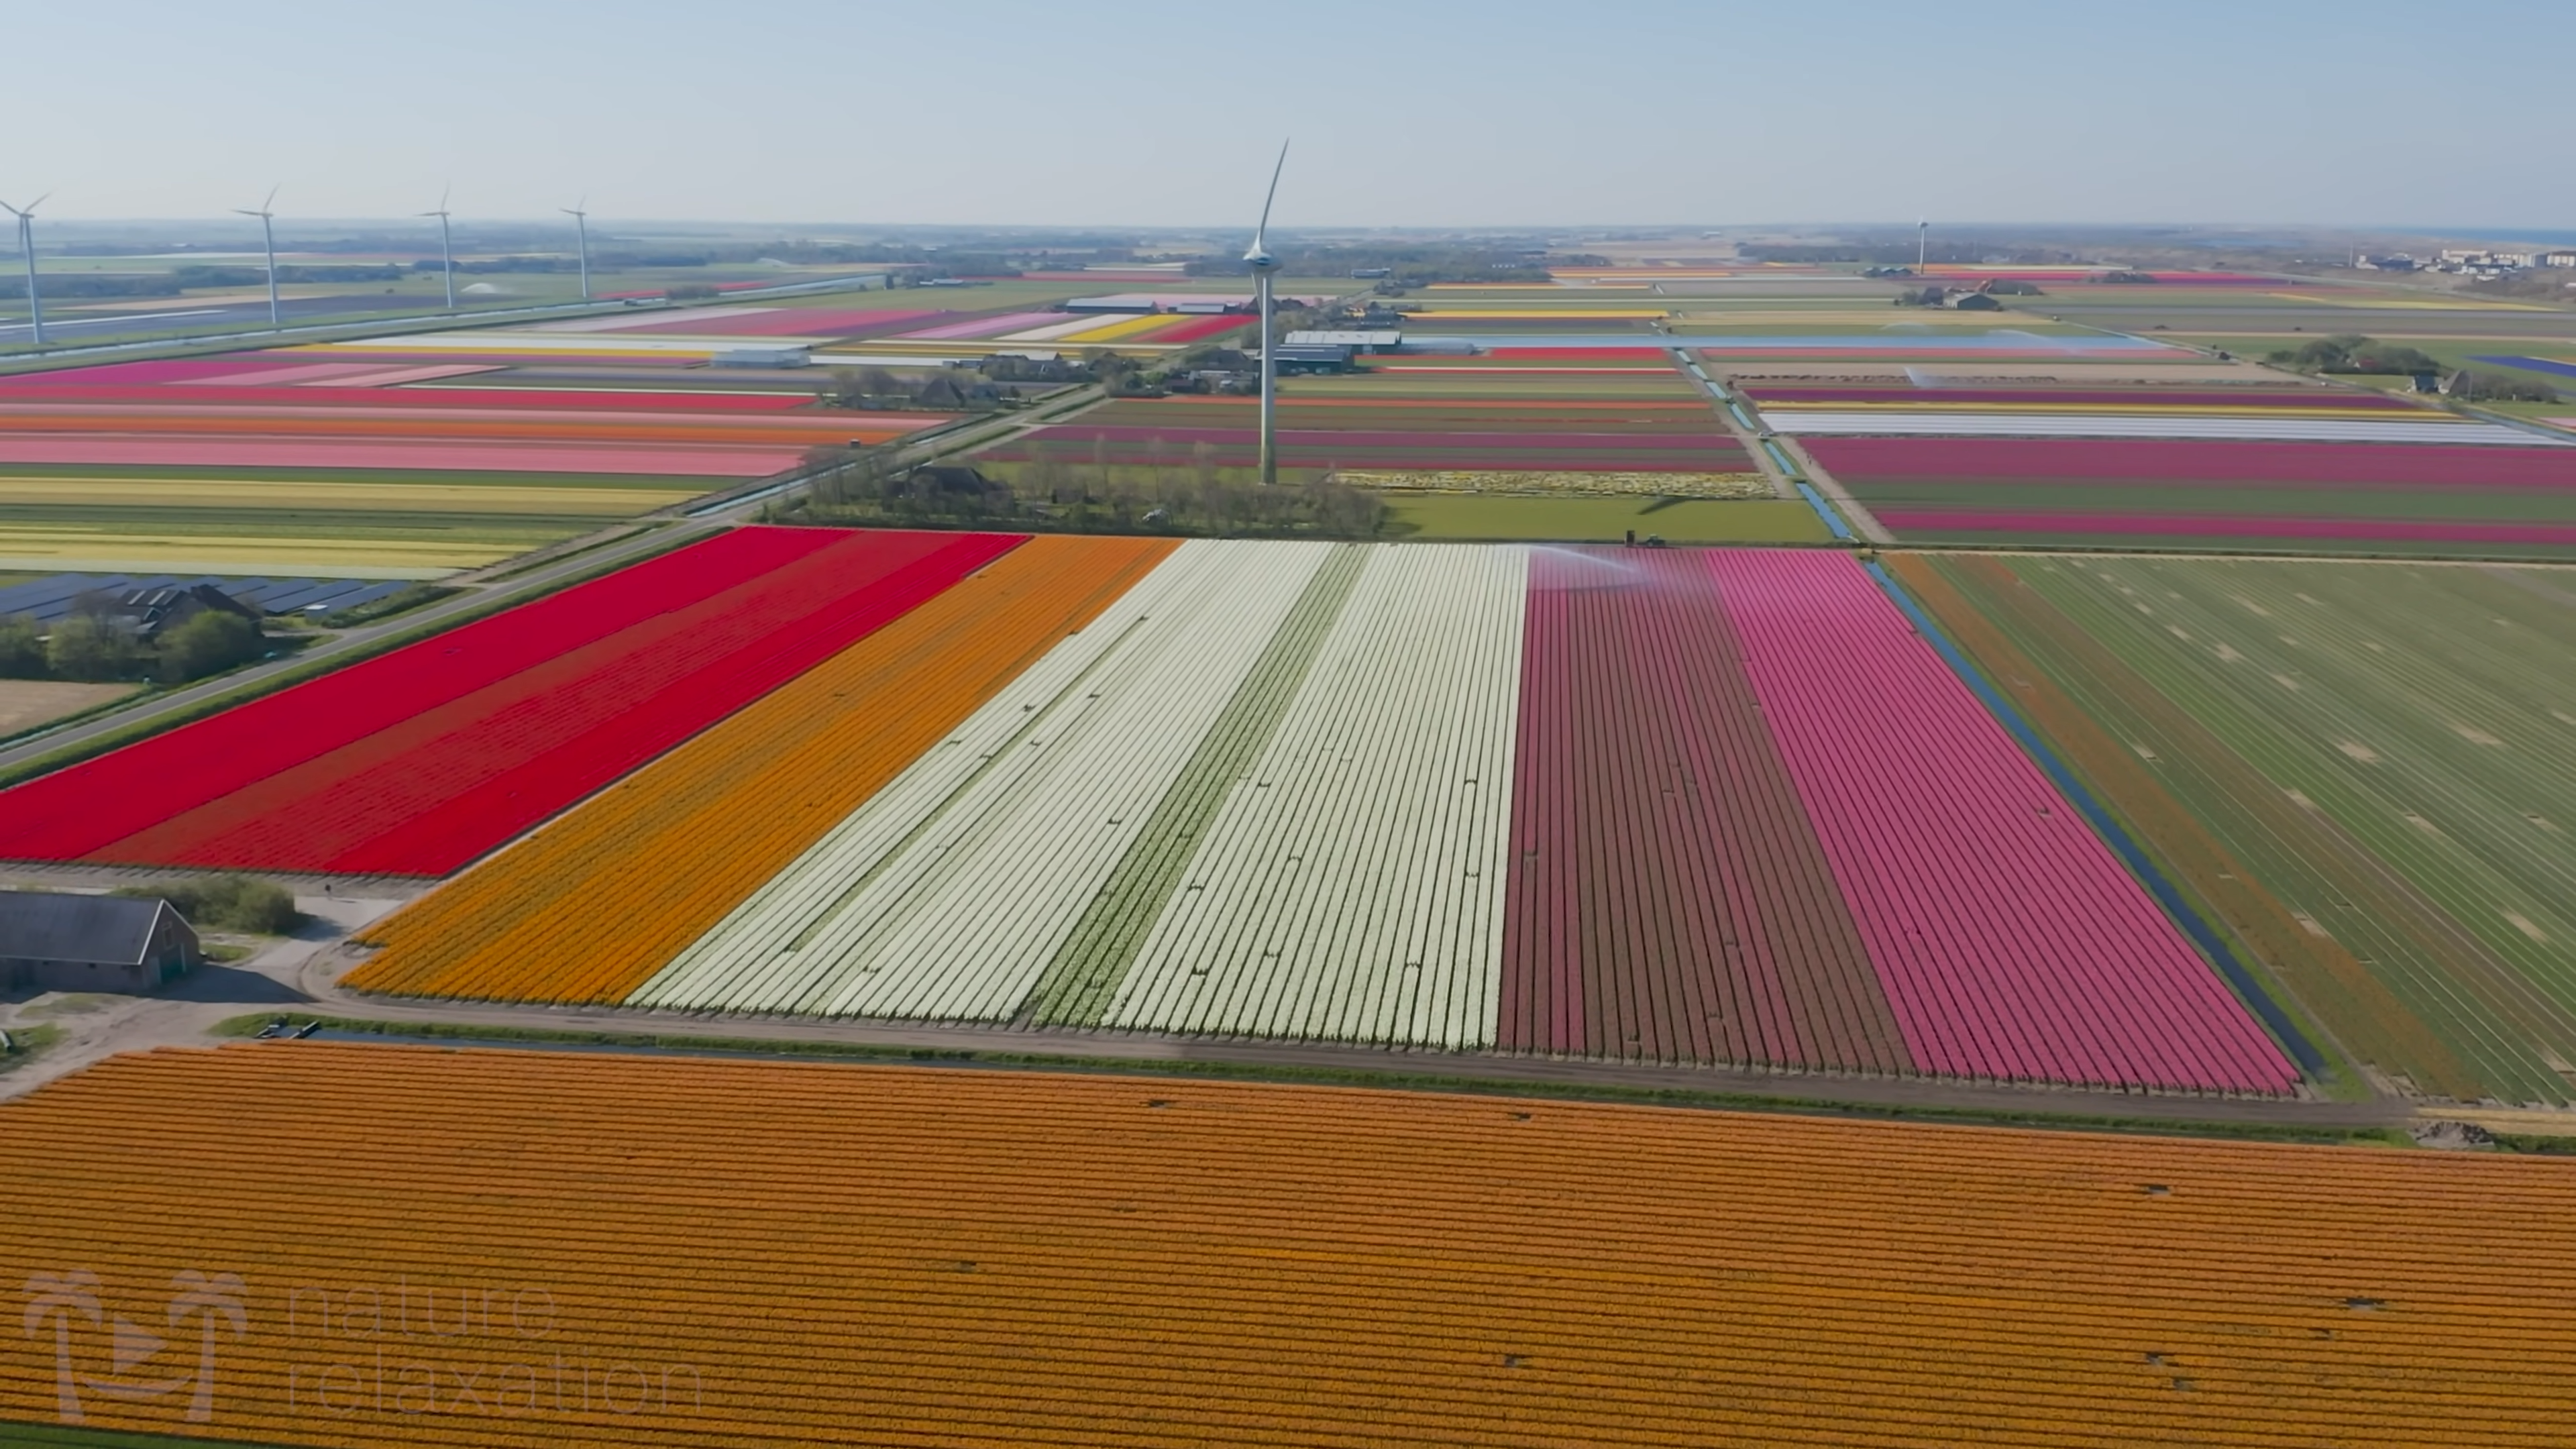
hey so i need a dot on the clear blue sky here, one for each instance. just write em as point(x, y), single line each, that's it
point(1405, 112)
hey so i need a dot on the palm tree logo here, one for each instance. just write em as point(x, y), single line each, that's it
point(57, 1296)
point(214, 1299)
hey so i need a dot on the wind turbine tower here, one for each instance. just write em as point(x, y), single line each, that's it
point(1922, 245)
point(446, 253)
point(581, 221)
point(1263, 265)
point(268, 238)
point(27, 248)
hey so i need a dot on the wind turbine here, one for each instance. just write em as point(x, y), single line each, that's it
point(446, 255)
point(581, 219)
point(27, 248)
point(1922, 245)
point(1263, 265)
point(268, 236)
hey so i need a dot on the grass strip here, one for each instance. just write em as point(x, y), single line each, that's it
point(26, 1043)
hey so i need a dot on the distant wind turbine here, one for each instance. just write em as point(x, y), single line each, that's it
point(27, 248)
point(446, 254)
point(1263, 265)
point(268, 237)
point(1922, 245)
point(581, 220)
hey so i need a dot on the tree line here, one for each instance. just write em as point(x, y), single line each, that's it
point(98, 648)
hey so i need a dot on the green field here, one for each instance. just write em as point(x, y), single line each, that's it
point(1481, 518)
point(2367, 770)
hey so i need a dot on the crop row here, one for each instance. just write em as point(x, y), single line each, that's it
point(1668, 897)
point(2364, 773)
point(418, 761)
point(75, 811)
point(1623, 804)
point(2170, 460)
point(2429, 430)
point(1350, 888)
point(685, 839)
point(945, 895)
point(826, 1255)
point(2228, 399)
point(2011, 941)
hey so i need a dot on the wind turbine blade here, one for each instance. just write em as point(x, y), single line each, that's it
point(1263, 229)
point(443, 193)
point(31, 206)
point(271, 201)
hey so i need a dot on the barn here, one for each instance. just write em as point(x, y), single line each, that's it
point(55, 941)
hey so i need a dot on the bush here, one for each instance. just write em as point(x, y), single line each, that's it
point(2471, 385)
point(88, 647)
point(209, 643)
point(22, 649)
point(2354, 354)
point(227, 903)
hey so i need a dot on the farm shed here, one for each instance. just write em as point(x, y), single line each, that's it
point(60, 942)
point(1311, 358)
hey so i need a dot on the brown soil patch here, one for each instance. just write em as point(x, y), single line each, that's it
point(27, 703)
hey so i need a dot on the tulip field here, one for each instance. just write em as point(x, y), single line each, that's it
point(2238, 411)
point(2415, 498)
point(377, 461)
point(2362, 769)
point(417, 761)
point(507, 1248)
point(1334, 429)
point(1403, 795)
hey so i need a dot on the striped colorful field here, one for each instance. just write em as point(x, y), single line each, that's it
point(397, 459)
point(558, 1248)
point(418, 761)
point(1400, 795)
point(2419, 498)
point(1657, 432)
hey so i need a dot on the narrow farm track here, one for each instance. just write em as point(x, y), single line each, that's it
point(2387, 752)
point(1350, 889)
point(2011, 941)
point(685, 839)
point(945, 896)
point(753, 1254)
point(1668, 898)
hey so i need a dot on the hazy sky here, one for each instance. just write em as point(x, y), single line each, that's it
point(1404, 112)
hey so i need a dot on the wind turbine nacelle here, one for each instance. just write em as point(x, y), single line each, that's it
point(1260, 261)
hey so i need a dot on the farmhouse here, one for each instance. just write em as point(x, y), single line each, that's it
point(59, 942)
